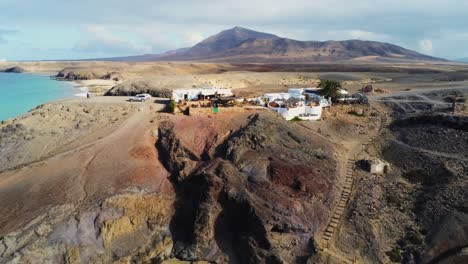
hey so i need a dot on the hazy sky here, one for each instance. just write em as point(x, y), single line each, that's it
point(67, 29)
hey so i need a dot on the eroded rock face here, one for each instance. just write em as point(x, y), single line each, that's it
point(134, 87)
point(15, 69)
point(249, 188)
point(125, 228)
point(78, 74)
point(89, 74)
point(418, 212)
point(257, 196)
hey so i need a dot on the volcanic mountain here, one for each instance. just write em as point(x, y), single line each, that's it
point(245, 45)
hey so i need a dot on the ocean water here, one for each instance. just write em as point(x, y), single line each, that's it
point(20, 93)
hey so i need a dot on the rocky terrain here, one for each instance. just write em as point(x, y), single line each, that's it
point(246, 203)
point(416, 213)
point(14, 69)
point(89, 74)
point(111, 181)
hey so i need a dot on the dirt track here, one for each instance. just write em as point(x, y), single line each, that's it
point(88, 172)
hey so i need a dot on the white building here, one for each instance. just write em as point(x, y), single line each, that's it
point(311, 113)
point(271, 97)
point(199, 93)
point(294, 104)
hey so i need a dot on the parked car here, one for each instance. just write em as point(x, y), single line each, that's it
point(357, 98)
point(139, 98)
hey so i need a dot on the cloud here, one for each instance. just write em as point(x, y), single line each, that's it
point(367, 35)
point(426, 46)
point(100, 39)
point(127, 27)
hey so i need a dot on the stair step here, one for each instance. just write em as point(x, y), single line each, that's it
point(334, 220)
point(333, 224)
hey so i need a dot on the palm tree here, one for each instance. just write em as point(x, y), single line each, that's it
point(330, 88)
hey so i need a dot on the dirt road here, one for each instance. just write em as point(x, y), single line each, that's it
point(87, 172)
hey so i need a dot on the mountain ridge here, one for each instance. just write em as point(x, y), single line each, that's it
point(245, 45)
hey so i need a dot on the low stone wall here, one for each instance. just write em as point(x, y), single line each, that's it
point(209, 110)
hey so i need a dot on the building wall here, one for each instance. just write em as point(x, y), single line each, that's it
point(179, 94)
point(291, 113)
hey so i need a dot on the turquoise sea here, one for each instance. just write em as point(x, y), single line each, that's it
point(22, 92)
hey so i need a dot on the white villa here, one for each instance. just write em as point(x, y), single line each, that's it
point(199, 93)
point(303, 103)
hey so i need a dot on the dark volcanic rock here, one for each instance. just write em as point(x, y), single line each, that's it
point(430, 151)
point(15, 69)
point(114, 76)
point(78, 74)
point(241, 203)
point(89, 74)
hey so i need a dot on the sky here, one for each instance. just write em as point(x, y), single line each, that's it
point(58, 29)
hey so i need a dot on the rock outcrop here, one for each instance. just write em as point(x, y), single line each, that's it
point(127, 228)
point(258, 195)
point(79, 73)
point(114, 76)
point(417, 213)
point(134, 87)
point(15, 69)
point(243, 188)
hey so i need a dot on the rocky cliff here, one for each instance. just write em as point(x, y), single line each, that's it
point(15, 69)
point(236, 188)
point(78, 73)
point(257, 195)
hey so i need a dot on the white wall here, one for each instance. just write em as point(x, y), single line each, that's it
point(179, 94)
point(290, 113)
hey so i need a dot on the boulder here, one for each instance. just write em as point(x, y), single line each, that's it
point(368, 88)
point(114, 76)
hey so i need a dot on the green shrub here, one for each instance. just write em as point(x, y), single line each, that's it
point(394, 255)
point(172, 106)
point(330, 88)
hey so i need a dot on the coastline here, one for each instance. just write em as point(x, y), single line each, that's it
point(74, 89)
point(95, 87)
point(69, 90)
point(73, 84)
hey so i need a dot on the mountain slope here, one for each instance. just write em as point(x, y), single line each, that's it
point(293, 50)
point(222, 42)
point(245, 45)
